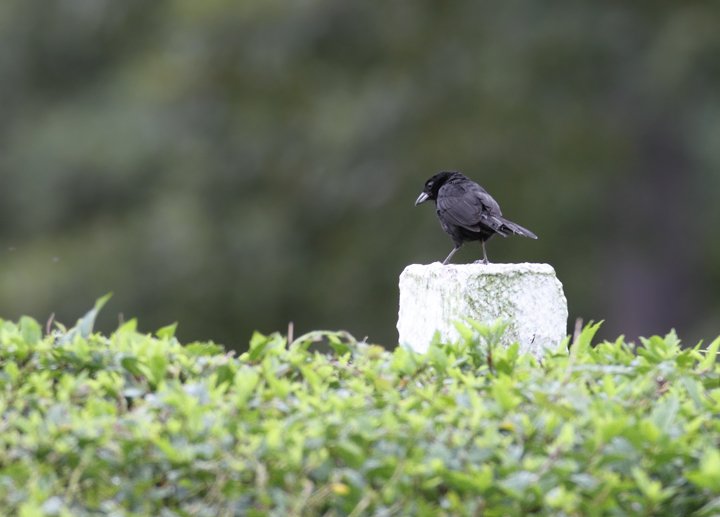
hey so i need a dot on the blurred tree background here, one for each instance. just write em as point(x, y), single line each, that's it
point(236, 165)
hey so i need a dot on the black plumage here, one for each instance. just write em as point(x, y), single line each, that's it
point(466, 211)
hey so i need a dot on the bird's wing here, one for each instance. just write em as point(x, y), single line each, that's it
point(469, 206)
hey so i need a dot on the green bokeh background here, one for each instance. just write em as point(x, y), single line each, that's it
point(236, 165)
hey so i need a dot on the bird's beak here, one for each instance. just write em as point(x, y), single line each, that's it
point(423, 197)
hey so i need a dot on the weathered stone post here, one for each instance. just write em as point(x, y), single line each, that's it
point(528, 296)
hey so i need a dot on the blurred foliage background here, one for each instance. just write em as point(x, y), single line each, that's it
point(239, 165)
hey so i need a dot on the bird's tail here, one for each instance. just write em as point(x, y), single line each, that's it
point(510, 227)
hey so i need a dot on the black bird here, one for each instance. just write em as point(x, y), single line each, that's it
point(466, 211)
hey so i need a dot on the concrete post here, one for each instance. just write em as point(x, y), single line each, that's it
point(528, 296)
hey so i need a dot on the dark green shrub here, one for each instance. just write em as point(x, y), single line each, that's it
point(135, 425)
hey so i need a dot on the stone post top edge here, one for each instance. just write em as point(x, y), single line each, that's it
point(483, 269)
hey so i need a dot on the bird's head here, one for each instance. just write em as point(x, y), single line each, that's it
point(432, 186)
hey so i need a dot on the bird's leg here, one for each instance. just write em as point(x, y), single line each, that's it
point(485, 260)
point(451, 254)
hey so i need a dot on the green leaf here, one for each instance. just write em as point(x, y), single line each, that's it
point(11, 369)
point(492, 332)
point(672, 341)
point(438, 358)
point(664, 414)
point(460, 480)
point(503, 393)
point(518, 482)
point(513, 352)
point(710, 355)
point(566, 437)
point(258, 343)
point(650, 488)
point(708, 476)
point(86, 324)
point(341, 348)
point(204, 349)
point(584, 480)
point(465, 331)
point(312, 378)
point(30, 330)
point(564, 346)
point(157, 364)
point(711, 509)
point(128, 326)
point(474, 481)
point(246, 379)
point(131, 364)
point(693, 388)
point(351, 453)
point(225, 373)
point(586, 337)
point(31, 509)
point(167, 332)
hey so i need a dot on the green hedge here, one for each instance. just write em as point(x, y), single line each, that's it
point(138, 425)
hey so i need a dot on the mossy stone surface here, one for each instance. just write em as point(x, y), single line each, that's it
point(527, 296)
